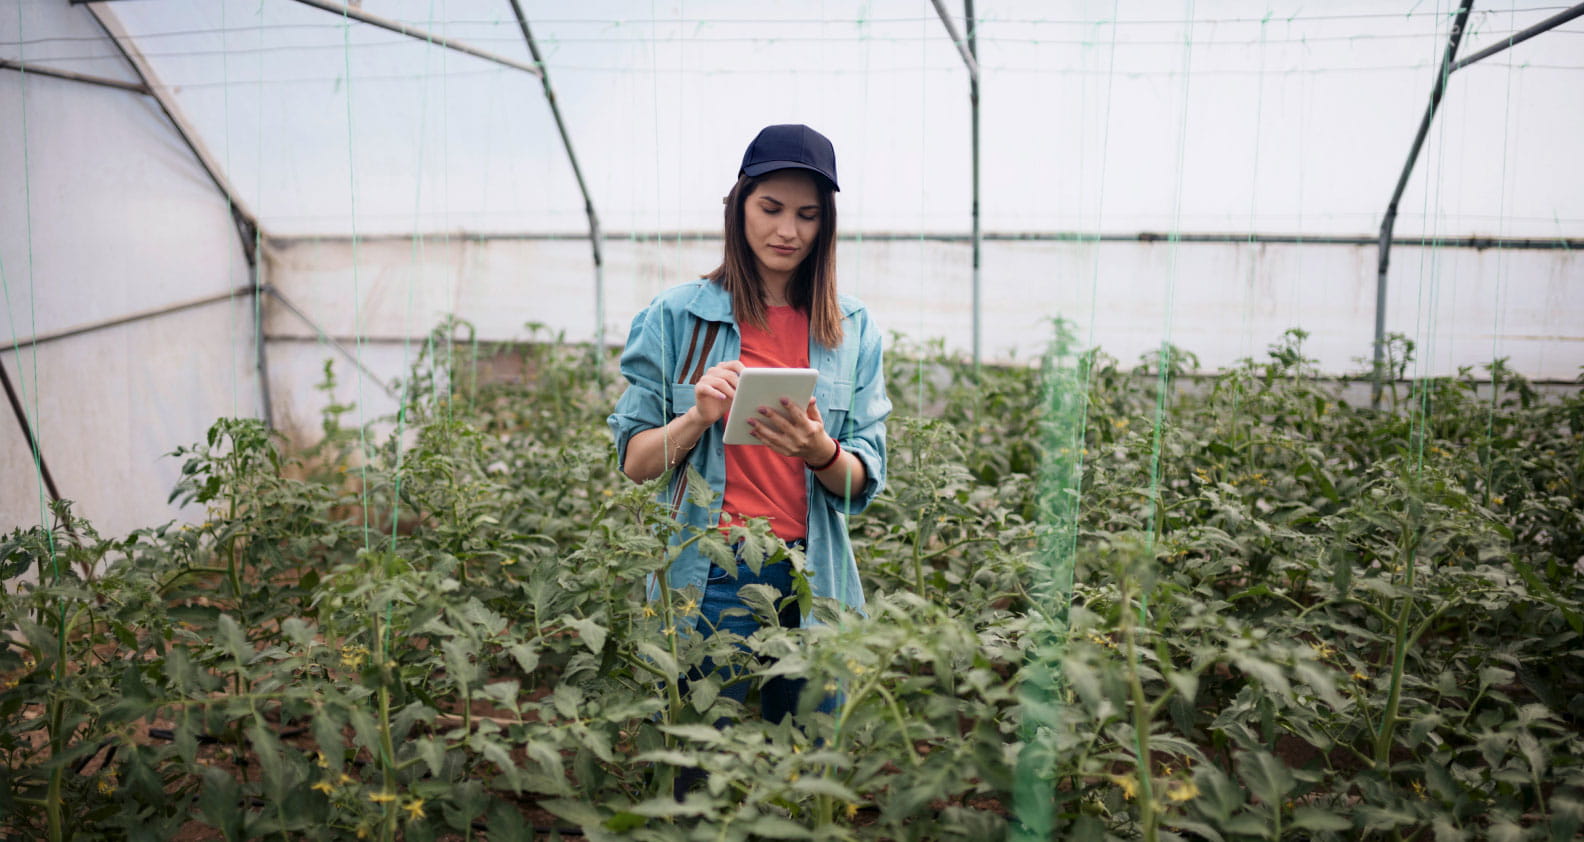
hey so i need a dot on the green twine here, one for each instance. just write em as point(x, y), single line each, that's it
point(1066, 400)
point(38, 434)
point(1162, 383)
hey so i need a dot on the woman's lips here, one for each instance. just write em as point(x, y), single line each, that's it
point(784, 250)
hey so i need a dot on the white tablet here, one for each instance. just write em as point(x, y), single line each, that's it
point(758, 387)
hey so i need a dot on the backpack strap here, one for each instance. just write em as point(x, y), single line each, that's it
point(709, 342)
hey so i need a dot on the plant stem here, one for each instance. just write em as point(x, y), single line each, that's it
point(1388, 725)
point(52, 798)
point(1141, 723)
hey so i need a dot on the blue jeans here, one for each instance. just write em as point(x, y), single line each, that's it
point(778, 698)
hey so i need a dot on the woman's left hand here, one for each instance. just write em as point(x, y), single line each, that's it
point(790, 431)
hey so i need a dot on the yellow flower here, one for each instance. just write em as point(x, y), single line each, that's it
point(852, 811)
point(688, 607)
point(1323, 650)
point(381, 797)
point(1418, 788)
point(1128, 783)
point(1359, 676)
point(107, 786)
point(320, 761)
point(346, 779)
point(363, 832)
point(414, 809)
point(353, 657)
point(1182, 789)
point(792, 778)
point(648, 610)
point(609, 493)
point(324, 787)
point(1498, 500)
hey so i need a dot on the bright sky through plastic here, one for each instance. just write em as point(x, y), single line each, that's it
point(687, 84)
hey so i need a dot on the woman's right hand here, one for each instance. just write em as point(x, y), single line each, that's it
point(713, 394)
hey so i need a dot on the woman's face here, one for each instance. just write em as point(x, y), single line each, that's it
point(781, 220)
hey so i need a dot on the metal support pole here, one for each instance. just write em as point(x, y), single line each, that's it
point(413, 32)
point(34, 69)
point(968, 49)
point(588, 202)
point(330, 340)
point(267, 404)
point(1552, 22)
point(246, 222)
point(41, 338)
point(27, 431)
point(1390, 220)
point(978, 237)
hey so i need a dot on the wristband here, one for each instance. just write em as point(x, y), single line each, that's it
point(828, 462)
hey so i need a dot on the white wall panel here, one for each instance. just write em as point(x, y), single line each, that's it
point(107, 213)
point(111, 404)
point(1220, 301)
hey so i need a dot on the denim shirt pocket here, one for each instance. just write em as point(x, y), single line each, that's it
point(682, 398)
point(834, 398)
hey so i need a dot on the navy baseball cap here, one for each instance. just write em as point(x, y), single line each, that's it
point(790, 146)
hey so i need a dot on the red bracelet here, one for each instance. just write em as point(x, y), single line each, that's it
point(829, 462)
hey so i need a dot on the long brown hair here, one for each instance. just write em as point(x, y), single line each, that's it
point(812, 288)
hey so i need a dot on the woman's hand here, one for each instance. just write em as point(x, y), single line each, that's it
point(791, 431)
point(713, 394)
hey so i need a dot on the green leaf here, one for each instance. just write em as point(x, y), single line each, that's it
point(220, 803)
point(1314, 818)
point(777, 827)
point(625, 821)
point(819, 785)
point(508, 825)
point(589, 631)
point(1265, 776)
point(433, 753)
point(527, 657)
point(706, 734)
point(567, 699)
point(580, 813)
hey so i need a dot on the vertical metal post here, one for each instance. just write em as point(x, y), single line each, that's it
point(595, 236)
point(1390, 220)
point(968, 50)
point(267, 409)
point(27, 429)
point(978, 238)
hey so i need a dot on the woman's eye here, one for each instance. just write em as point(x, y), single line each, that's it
point(811, 218)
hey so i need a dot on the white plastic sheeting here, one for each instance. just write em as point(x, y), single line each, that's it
point(1218, 116)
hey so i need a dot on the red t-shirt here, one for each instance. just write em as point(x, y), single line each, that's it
point(759, 481)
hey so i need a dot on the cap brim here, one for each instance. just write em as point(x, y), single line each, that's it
point(771, 166)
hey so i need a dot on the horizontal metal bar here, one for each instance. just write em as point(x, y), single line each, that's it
point(1552, 22)
point(331, 340)
point(413, 32)
point(139, 316)
point(31, 68)
point(1478, 243)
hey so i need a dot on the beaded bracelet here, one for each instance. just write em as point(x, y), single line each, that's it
point(829, 462)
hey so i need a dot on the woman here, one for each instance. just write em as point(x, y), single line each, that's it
point(771, 302)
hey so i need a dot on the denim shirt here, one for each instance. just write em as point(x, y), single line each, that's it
point(850, 393)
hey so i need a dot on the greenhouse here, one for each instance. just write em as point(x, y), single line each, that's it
point(1193, 445)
